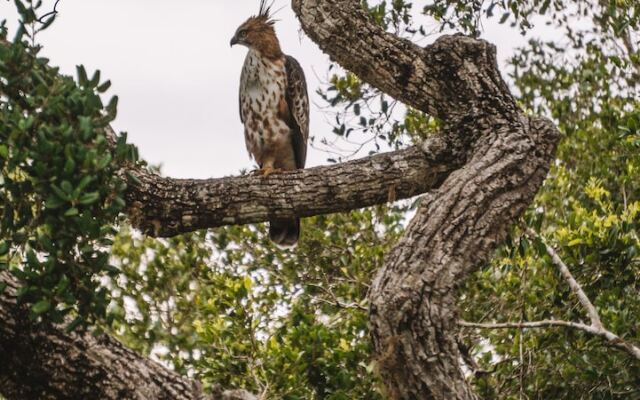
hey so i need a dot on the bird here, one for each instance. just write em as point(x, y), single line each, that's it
point(274, 109)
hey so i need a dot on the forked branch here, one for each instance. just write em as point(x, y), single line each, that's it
point(595, 328)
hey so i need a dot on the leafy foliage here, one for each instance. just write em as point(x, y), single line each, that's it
point(228, 308)
point(59, 192)
point(588, 207)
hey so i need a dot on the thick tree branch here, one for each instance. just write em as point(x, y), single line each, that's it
point(428, 79)
point(41, 361)
point(166, 207)
point(506, 157)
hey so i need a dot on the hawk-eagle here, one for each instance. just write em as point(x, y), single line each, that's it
point(274, 108)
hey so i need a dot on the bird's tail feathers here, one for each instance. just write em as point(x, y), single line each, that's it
point(285, 233)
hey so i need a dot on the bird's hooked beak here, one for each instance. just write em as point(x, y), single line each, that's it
point(234, 40)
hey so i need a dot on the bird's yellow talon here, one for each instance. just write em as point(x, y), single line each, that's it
point(269, 171)
point(264, 172)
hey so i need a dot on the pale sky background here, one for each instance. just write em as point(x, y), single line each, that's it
point(177, 78)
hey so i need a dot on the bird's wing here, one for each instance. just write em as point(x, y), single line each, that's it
point(298, 102)
point(240, 106)
point(241, 93)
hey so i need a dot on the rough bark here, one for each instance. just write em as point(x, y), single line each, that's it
point(483, 169)
point(507, 155)
point(165, 207)
point(41, 361)
point(413, 311)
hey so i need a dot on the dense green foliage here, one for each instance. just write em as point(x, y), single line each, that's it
point(231, 309)
point(228, 308)
point(59, 191)
point(589, 209)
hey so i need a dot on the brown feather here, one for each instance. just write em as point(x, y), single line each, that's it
point(274, 108)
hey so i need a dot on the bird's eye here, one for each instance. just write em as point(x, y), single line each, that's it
point(242, 34)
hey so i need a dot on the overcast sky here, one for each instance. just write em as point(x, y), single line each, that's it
point(177, 78)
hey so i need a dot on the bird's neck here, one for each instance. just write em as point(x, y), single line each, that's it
point(258, 69)
point(269, 47)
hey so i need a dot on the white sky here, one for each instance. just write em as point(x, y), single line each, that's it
point(176, 76)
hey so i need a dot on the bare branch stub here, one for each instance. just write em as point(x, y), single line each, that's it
point(610, 337)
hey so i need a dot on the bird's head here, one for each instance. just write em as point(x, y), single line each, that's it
point(258, 33)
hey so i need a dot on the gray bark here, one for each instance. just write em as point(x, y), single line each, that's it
point(482, 170)
point(162, 206)
point(506, 157)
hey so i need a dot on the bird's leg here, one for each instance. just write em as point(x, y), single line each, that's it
point(266, 171)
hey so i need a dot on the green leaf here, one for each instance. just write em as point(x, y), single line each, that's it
point(74, 324)
point(69, 166)
point(104, 87)
point(41, 307)
point(104, 161)
point(84, 182)
point(62, 285)
point(575, 242)
point(72, 212)
point(60, 193)
point(22, 10)
point(4, 248)
point(82, 75)
point(95, 80)
point(47, 23)
point(86, 127)
point(89, 198)
point(112, 107)
point(66, 187)
point(32, 259)
point(54, 202)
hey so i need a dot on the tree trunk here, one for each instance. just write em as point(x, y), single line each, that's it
point(506, 157)
point(483, 170)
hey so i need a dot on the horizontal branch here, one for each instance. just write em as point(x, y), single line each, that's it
point(165, 206)
point(609, 336)
point(529, 324)
point(433, 79)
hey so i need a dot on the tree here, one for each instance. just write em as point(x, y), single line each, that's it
point(482, 170)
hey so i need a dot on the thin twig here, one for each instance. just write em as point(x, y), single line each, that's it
point(609, 336)
point(573, 284)
point(52, 12)
point(596, 328)
point(336, 302)
point(529, 324)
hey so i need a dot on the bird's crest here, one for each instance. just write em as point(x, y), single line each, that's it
point(264, 14)
point(258, 32)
